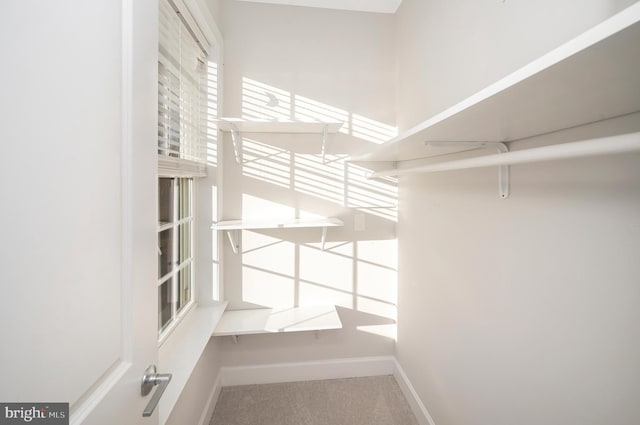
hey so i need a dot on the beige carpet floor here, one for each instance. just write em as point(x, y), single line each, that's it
point(353, 401)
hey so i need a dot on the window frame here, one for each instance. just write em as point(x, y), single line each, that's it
point(181, 151)
point(179, 193)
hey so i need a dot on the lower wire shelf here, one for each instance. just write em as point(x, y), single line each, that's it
point(272, 320)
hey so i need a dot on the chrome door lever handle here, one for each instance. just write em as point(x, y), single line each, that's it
point(149, 380)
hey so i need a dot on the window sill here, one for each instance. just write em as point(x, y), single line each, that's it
point(180, 352)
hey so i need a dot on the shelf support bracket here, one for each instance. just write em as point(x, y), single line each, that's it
point(234, 338)
point(325, 132)
point(233, 236)
point(324, 237)
point(236, 139)
point(503, 170)
point(503, 173)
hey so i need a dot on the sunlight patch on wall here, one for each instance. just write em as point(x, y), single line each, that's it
point(269, 253)
point(377, 197)
point(308, 214)
point(376, 282)
point(306, 109)
point(376, 307)
point(380, 252)
point(261, 101)
point(266, 288)
point(388, 331)
point(333, 179)
point(266, 163)
point(268, 269)
point(371, 130)
point(287, 267)
point(324, 181)
point(254, 207)
point(326, 269)
point(313, 294)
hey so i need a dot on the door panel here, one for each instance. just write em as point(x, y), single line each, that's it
point(78, 188)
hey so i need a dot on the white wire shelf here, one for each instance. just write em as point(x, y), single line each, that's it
point(588, 79)
point(233, 227)
point(236, 126)
point(280, 126)
point(267, 320)
point(278, 223)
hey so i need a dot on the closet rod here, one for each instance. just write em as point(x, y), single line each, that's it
point(601, 146)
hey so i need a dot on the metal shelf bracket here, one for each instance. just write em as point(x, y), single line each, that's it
point(503, 170)
point(234, 240)
point(324, 237)
point(503, 173)
point(236, 139)
point(325, 132)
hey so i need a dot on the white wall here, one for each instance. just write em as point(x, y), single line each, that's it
point(446, 51)
point(198, 398)
point(523, 310)
point(214, 7)
point(285, 62)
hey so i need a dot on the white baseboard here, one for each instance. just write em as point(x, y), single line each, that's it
point(420, 412)
point(207, 412)
point(316, 370)
point(307, 371)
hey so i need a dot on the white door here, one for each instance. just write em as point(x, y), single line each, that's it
point(78, 115)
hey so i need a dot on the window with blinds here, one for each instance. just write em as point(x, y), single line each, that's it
point(181, 96)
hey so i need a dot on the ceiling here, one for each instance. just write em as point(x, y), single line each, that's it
point(378, 6)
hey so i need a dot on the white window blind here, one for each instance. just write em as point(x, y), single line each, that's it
point(181, 97)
